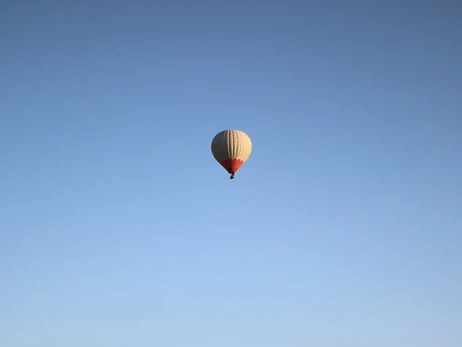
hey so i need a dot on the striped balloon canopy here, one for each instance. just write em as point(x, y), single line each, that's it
point(231, 148)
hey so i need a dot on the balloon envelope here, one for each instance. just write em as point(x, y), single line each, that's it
point(231, 148)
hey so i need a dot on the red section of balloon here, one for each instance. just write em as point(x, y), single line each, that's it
point(232, 165)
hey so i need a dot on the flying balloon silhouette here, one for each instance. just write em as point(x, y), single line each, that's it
point(231, 148)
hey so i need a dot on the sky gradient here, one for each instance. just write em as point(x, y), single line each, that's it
point(118, 228)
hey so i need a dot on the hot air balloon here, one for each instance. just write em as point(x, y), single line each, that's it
point(231, 148)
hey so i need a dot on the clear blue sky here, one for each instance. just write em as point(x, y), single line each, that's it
point(118, 228)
